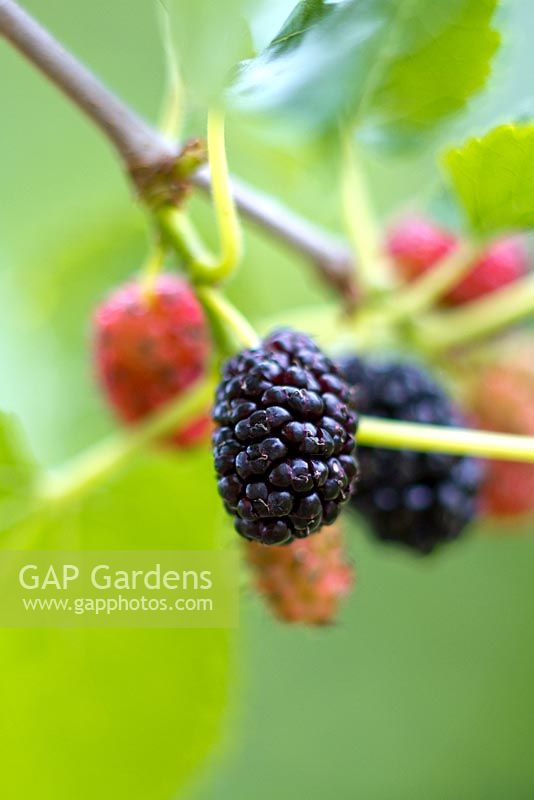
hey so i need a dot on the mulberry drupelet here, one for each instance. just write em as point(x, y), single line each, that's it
point(284, 448)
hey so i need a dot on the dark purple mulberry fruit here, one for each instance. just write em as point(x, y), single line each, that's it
point(416, 499)
point(284, 445)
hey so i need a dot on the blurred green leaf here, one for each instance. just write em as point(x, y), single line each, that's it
point(398, 64)
point(45, 327)
point(109, 714)
point(17, 472)
point(494, 178)
point(440, 55)
point(211, 38)
point(116, 714)
point(303, 17)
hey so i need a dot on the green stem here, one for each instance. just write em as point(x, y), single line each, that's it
point(171, 113)
point(225, 211)
point(374, 273)
point(226, 318)
point(92, 468)
point(108, 457)
point(436, 439)
point(479, 318)
point(430, 287)
point(151, 269)
point(182, 236)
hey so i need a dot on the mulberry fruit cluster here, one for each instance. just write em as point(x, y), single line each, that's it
point(415, 499)
point(303, 582)
point(284, 446)
point(417, 246)
point(149, 350)
point(502, 399)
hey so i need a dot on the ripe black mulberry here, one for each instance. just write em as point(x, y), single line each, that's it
point(416, 499)
point(284, 446)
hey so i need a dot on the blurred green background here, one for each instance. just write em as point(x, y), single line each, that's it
point(425, 687)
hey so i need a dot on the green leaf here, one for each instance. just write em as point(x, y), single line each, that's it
point(116, 713)
point(17, 472)
point(301, 20)
point(211, 38)
point(494, 178)
point(398, 64)
point(440, 56)
point(48, 302)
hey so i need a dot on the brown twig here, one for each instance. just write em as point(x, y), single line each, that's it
point(146, 153)
point(137, 143)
